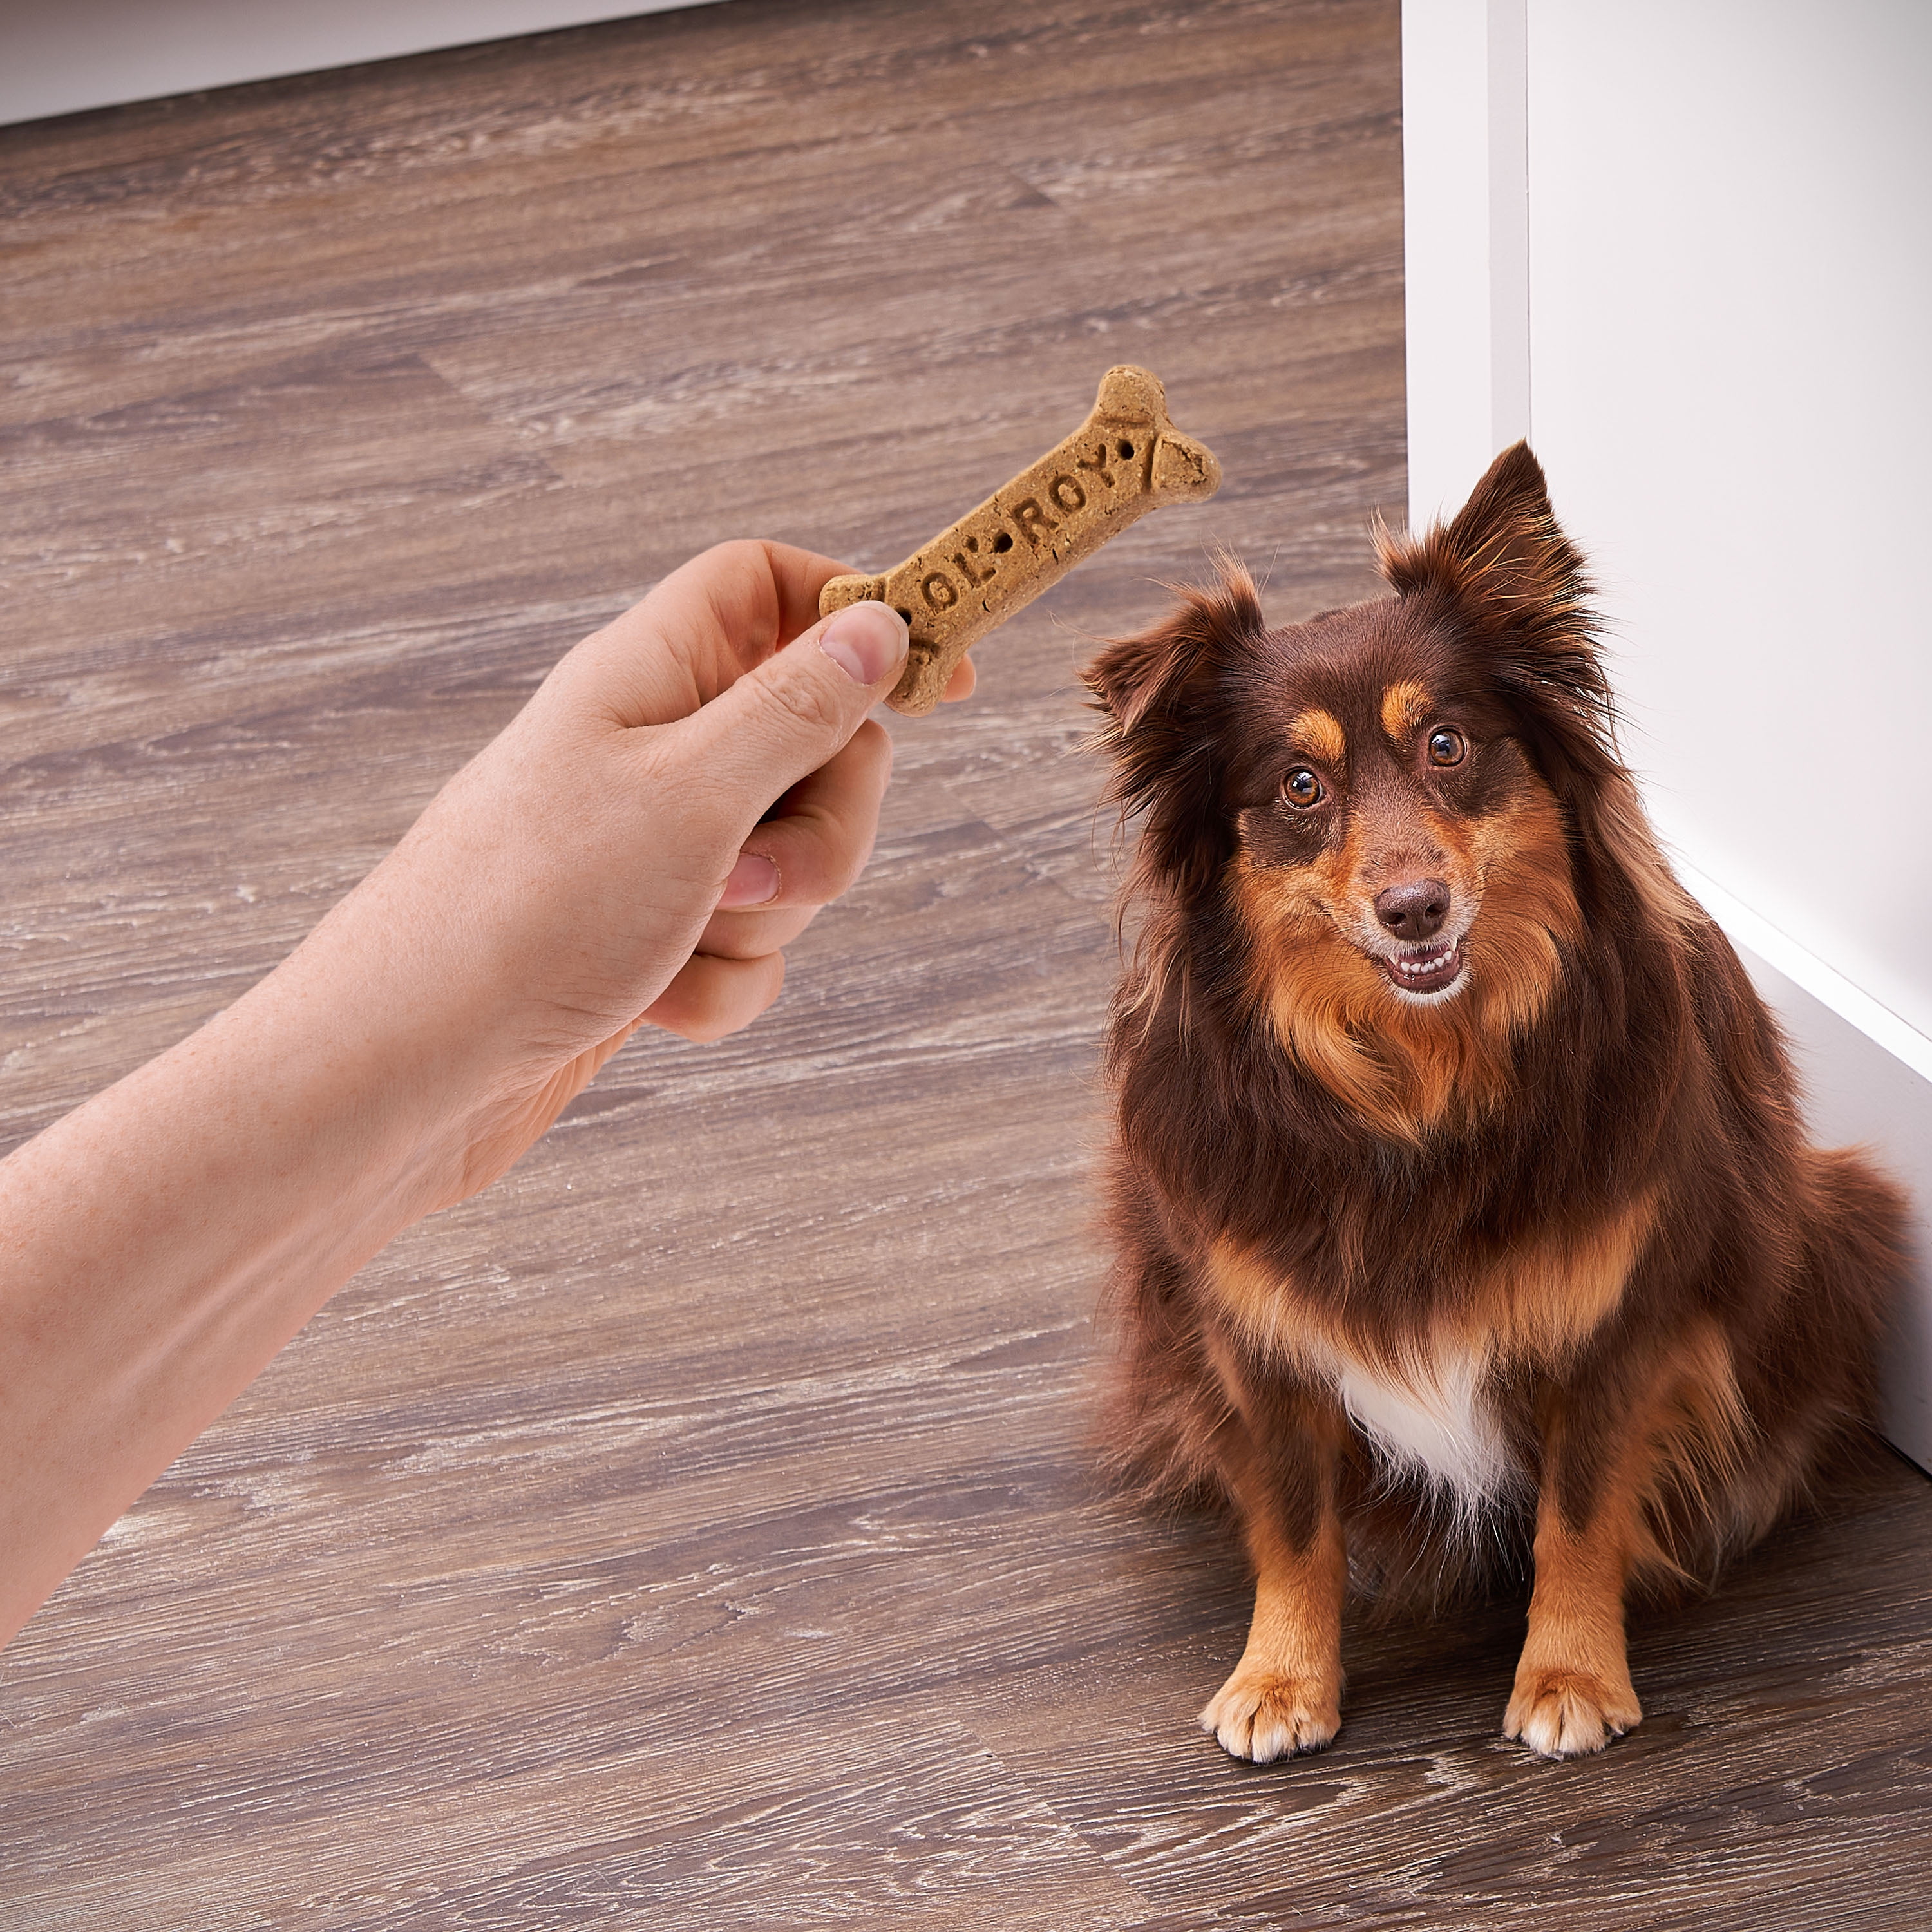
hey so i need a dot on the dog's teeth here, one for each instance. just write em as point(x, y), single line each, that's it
point(1423, 968)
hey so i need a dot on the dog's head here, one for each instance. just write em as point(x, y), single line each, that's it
point(1413, 807)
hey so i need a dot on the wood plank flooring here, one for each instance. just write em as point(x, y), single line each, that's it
point(697, 1530)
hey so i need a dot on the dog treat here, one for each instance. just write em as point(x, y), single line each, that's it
point(1126, 459)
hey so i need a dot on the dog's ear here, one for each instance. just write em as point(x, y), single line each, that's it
point(1159, 696)
point(1504, 573)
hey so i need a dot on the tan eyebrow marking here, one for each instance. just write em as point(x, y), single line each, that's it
point(1404, 707)
point(1319, 734)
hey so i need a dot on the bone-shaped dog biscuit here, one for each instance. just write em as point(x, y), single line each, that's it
point(1126, 459)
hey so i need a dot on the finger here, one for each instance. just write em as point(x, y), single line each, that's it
point(961, 683)
point(808, 854)
point(710, 998)
point(750, 935)
point(792, 714)
point(697, 631)
point(817, 841)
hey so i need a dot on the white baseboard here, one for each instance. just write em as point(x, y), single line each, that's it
point(61, 56)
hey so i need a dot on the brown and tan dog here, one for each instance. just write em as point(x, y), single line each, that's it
point(1460, 1191)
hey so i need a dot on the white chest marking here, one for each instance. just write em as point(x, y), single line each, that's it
point(1436, 1424)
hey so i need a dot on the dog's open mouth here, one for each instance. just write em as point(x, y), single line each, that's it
point(1424, 969)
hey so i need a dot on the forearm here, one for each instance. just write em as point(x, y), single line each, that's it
point(159, 1244)
point(589, 868)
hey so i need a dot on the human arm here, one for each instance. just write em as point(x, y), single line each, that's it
point(590, 868)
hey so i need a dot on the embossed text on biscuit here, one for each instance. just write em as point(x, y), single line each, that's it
point(1126, 459)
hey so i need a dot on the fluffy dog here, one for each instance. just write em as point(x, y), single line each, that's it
point(1460, 1197)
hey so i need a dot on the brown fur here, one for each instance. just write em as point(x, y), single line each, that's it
point(1576, 1176)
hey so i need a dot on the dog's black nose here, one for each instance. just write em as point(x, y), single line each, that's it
point(1415, 911)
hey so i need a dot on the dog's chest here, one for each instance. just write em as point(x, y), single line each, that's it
point(1435, 1422)
point(1432, 1417)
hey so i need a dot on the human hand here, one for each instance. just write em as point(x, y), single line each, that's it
point(606, 860)
point(685, 790)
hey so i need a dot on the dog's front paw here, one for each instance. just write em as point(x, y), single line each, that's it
point(1261, 1715)
point(1569, 1713)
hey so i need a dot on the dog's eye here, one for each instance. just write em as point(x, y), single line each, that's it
point(1447, 748)
point(1302, 788)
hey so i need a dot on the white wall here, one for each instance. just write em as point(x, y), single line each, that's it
point(59, 56)
point(1731, 330)
point(1718, 311)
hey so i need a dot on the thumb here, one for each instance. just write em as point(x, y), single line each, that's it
point(784, 719)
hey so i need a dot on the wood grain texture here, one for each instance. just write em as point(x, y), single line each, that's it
point(697, 1530)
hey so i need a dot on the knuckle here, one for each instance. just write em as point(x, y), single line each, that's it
point(736, 936)
point(736, 554)
point(805, 699)
point(715, 996)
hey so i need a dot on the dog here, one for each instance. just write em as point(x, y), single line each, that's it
point(1462, 1212)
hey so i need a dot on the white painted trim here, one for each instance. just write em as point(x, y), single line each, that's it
point(1445, 162)
point(63, 56)
point(1466, 241)
point(1867, 1076)
point(1508, 65)
point(1825, 984)
point(1858, 1094)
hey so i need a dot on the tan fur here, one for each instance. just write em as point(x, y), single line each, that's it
point(1572, 1692)
point(1319, 734)
point(1404, 706)
point(1334, 1010)
point(1541, 1303)
point(1685, 1441)
point(1285, 1694)
point(1533, 1305)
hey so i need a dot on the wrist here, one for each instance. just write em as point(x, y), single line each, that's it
point(380, 1059)
point(422, 1011)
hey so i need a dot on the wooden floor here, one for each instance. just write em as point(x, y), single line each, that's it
point(696, 1531)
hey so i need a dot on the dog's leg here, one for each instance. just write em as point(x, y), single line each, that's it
point(1284, 1695)
point(1572, 1692)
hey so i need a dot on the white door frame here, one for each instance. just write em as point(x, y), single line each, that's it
point(1468, 185)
